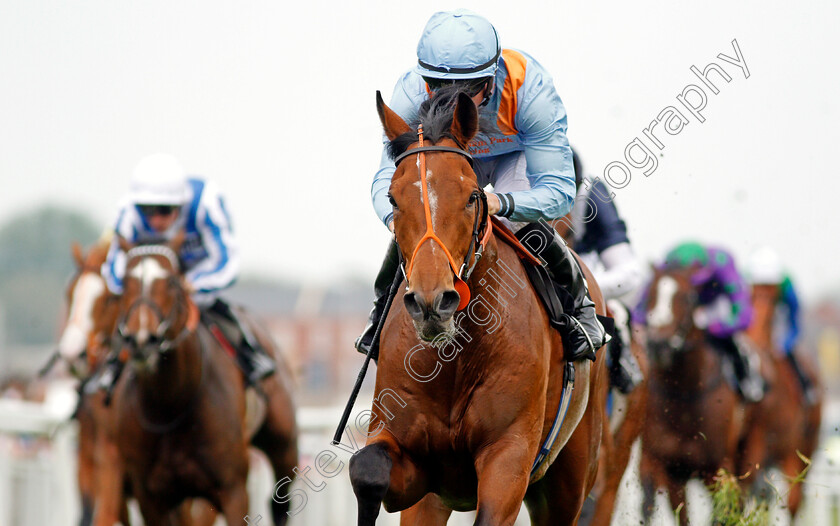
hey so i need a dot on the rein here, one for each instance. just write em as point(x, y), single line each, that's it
point(477, 241)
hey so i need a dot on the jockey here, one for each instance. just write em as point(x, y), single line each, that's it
point(765, 268)
point(527, 160)
point(600, 239)
point(161, 202)
point(725, 309)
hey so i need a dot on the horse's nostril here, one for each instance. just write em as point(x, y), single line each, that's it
point(447, 302)
point(414, 305)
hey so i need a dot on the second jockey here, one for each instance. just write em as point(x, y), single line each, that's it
point(163, 201)
point(600, 239)
point(527, 159)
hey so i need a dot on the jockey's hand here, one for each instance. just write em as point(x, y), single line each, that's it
point(391, 226)
point(701, 318)
point(493, 204)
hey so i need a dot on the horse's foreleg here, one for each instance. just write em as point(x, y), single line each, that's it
point(234, 503)
point(676, 495)
point(430, 511)
point(370, 475)
point(647, 476)
point(503, 471)
point(110, 480)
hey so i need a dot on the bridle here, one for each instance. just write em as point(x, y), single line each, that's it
point(480, 224)
point(158, 340)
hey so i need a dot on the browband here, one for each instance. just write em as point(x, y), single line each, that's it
point(406, 153)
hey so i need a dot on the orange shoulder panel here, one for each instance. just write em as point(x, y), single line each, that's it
point(515, 65)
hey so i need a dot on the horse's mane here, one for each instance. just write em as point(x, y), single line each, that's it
point(436, 114)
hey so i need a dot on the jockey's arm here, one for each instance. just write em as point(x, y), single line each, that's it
point(541, 124)
point(113, 270)
point(789, 298)
point(220, 268)
point(735, 289)
point(408, 94)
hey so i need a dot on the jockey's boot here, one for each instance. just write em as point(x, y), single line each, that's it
point(625, 371)
point(108, 374)
point(381, 287)
point(251, 356)
point(750, 382)
point(808, 390)
point(585, 333)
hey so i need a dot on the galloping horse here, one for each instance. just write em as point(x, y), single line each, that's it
point(695, 421)
point(91, 319)
point(783, 424)
point(179, 426)
point(621, 430)
point(458, 423)
point(626, 419)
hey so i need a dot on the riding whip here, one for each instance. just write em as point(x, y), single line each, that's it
point(374, 348)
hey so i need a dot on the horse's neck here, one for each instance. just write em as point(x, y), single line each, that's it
point(760, 330)
point(176, 380)
point(694, 366)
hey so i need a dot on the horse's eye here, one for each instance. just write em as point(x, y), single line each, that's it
point(473, 199)
point(391, 199)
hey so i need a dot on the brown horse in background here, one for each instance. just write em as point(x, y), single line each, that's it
point(621, 430)
point(624, 423)
point(695, 421)
point(457, 424)
point(783, 423)
point(91, 319)
point(179, 429)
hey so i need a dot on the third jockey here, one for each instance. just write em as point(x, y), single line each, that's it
point(527, 159)
point(764, 268)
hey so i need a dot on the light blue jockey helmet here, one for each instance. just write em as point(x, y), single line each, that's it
point(458, 45)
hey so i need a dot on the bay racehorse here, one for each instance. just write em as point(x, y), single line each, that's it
point(469, 377)
point(695, 420)
point(179, 424)
point(783, 423)
point(85, 343)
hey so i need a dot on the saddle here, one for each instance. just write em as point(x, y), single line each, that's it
point(555, 298)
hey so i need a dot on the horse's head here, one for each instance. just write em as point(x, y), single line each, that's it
point(155, 308)
point(669, 310)
point(440, 212)
point(91, 313)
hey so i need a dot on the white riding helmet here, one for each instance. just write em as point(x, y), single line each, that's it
point(764, 267)
point(158, 179)
point(458, 45)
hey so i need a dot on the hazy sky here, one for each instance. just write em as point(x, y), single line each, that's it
point(275, 101)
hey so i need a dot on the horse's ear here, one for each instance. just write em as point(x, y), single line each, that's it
point(78, 258)
point(125, 245)
point(177, 241)
point(393, 124)
point(465, 119)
